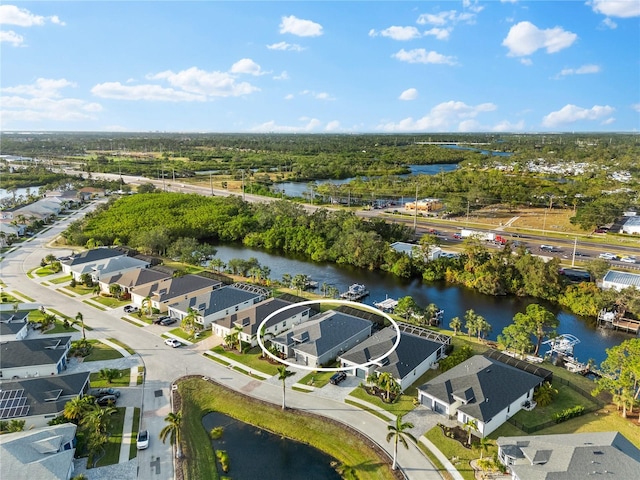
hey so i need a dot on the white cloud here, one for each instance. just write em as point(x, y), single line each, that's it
point(300, 27)
point(332, 126)
point(409, 94)
point(397, 33)
point(291, 47)
point(572, 113)
point(289, 96)
point(442, 117)
point(200, 82)
point(312, 124)
point(608, 121)
point(247, 66)
point(506, 126)
point(317, 95)
point(607, 22)
point(12, 15)
point(439, 33)
point(43, 101)
point(583, 70)
point(526, 61)
point(636, 107)
point(420, 55)
point(9, 36)
point(525, 38)
point(616, 8)
point(148, 92)
point(448, 17)
point(283, 76)
point(323, 96)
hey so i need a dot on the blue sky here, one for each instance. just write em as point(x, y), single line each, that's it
point(316, 67)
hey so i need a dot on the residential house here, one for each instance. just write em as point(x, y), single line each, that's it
point(107, 267)
point(322, 338)
point(169, 291)
point(34, 357)
point(570, 456)
point(631, 226)
point(43, 209)
point(620, 280)
point(89, 257)
point(87, 193)
point(250, 319)
point(13, 326)
point(68, 198)
point(39, 453)
point(413, 356)
point(131, 279)
point(39, 400)
point(415, 251)
point(481, 389)
point(219, 303)
point(9, 230)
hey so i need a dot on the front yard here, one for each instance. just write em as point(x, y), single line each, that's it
point(100, 352)
point(252, 359)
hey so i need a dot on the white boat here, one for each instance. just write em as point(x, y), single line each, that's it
point(355, 292)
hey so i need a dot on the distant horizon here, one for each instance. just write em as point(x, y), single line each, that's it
point(349, 67)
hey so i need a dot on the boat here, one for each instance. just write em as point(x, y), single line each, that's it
point(356, 292)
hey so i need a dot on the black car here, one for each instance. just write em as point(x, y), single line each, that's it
point(159, 320)
point(106, 400)
point(168, 321)
point(337, 377)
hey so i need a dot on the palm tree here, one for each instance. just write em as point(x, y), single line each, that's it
point(455, 324)
point(80, 320)
point(545, 394)
point(188, 323)
point(75, 408)
point(97, 419)
point(115, 290)
point(283, 374)
point(483, 445)
point(387, 383)
point(469, 426)
point(147, 305)
point(399, 433)
point(173, 430)
point(109, 374)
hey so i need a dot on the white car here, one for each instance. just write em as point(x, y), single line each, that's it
point(130, 309)
point(628, 259)
point(142, 440)
point(608, 256)
point(172, 342)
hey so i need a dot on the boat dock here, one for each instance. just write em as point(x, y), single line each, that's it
point(618, 322)
point(387, 305)
point(356, 292)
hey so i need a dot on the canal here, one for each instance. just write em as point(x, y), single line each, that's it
point(455, 300)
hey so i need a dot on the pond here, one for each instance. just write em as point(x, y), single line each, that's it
point(257, 454)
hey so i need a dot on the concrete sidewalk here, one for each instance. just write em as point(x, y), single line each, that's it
point(127, 435)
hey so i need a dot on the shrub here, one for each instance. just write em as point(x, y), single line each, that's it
point(568, 413)
point(223, 458)
point(216, 432)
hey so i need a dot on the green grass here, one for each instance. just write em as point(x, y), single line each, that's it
point(91, 304)
point(120, 344)
point(452, 448)
point(22, 295)
point(101, 351)
point(372, 411)
point(252, 359)
point(112, 447)
point(133, 449)
point(131, 322)
point(301, 390)
point(7, 298)
point(121, 381)
point(140, 379)
point(110, 302)
point(200, 397)
point(44, 271)
point(219, 360)
point(60, 328)
point(317, 379)
point(64, 292)
point(183, 266)
point(403, 405)
point(80, 289)
point(58, 281)
point(444, 473)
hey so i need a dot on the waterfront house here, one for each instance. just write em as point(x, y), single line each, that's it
point(219, 303)
point(34, 357)
point(322, 338)
point(168, 291)
point(415, 251)
point(39, 400)
point(88, 257)
point(40, 453)
point(481, 389)
point(13, 326)
point(413, 356)
point(250, 318)
point(631, 226)
point(131, 279)
point(620, 280)
point(571, 456)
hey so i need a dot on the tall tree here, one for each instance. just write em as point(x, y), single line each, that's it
point(80, 320)
point(471, 322)
point(539, 322)
point(399, 432)
point(621, 371)
point(283, 374)
point(455, 325)
point(173, 431)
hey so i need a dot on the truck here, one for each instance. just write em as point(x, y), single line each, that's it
point(486, 236)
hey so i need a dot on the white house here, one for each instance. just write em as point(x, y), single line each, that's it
point(415, 251)
point(322, 338)
point(250, 318)
point(620, 280)
point(13, 326)
point(482, 390)
point(131, 279)
point(89, 257)
point(107, 267)
point(214, 305)
point(632, 225)
point(413, 356)
point(35, 357)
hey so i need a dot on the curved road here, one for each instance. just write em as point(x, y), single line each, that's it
point(164, 365)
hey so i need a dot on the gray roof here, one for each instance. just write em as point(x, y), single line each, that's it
point(494, 385)
point(169, 288)
point(116, 264)
point(573, 456)
point(212, 302)
point(252, 317)
point(411, 351)
point(12, 322)
point(135, 278)
point(324, 332)
point(622, 278)
point(47, 395)
point(37, 454)
point(92, 256)
point(38, 351)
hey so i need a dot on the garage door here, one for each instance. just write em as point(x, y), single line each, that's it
point(361, 373)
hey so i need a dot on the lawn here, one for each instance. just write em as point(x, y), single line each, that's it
point(130, 350)
point(133, 448)
point(58, 281)
point(80, 289)
point(114, 439)
point(44, 271)
point(60, 328)
point(110, 302)
point(455, 452)
point(121, 381)
point(201, 335)
point(200, 397)
point(316, 379)
point(252, 359)
point(403, 405)
point(100, 352)
point(22, 295)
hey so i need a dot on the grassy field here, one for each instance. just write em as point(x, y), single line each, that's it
point(130, 350)
point(112, 448)
point(101, 351)
point(251, 359)
point(200, 397)
point(316, 379)
point(110, 302)
point(135, 426)
point(121, 381)
point(58, 281)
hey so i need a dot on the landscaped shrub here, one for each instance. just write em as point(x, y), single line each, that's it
point(223, 458)
point(216, 433)
point(568, 413)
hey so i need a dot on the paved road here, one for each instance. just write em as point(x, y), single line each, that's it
point(164, 365)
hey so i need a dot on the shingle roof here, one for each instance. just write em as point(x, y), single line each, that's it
point(622, 278)
point(169, 288)
point(38, 351)
point(495, 385)
point(33, 455)
point(215, 301)
point(252, 317)
point(135, 278)
point(411, 351)
point(92, 256)
point(116, 264)
point(574, 456)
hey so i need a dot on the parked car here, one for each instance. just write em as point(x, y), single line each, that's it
point(457, 236)
point(168, 321)
point(130, 309)
point(337, 377)
point(628, 259)
point(108, 391)
point(159, 320)
point(106, 400)
point(142, 440)
point(172, 342)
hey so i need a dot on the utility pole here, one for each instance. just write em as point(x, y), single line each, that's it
point(211, 182)
point(415, 214)
point(242, 185)
point(468, 205)
point(573, 259)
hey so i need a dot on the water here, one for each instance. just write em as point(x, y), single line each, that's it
point(484, 152)
point(455, 300)
point(20, 192)
point(271, 456)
